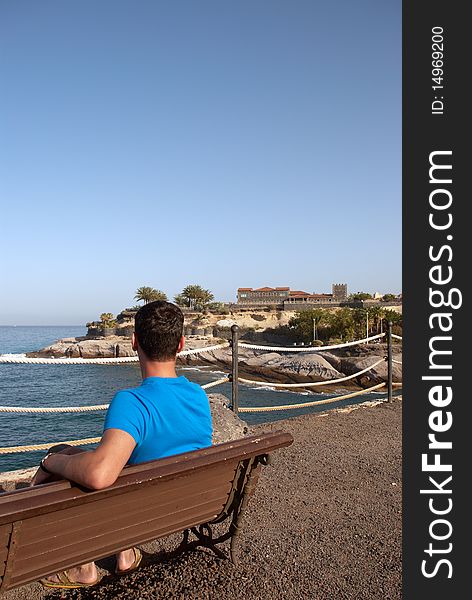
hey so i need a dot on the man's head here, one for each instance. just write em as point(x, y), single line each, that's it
point(158, 330)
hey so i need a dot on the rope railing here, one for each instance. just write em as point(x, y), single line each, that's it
point(52, 409)
point(80, 409)
point(310, 348)
point(252, 409)
point(72, 409)
point(311, 384)
point(37, 447)
point(215, 383)
point(13, 359)
point(202, 349)
point(397, 362)
point(397, 337)
point(246, 409)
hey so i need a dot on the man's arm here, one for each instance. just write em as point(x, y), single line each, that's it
point(95, 469)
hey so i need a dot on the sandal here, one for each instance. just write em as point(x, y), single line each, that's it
point(138, 557)
point(66, 583)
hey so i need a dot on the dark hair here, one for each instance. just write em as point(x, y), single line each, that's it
point(158, 327)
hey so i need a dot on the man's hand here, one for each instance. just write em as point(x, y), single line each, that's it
point(41, 476)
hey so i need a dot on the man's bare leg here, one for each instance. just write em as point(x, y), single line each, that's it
point(84, 573)
point(125, 559)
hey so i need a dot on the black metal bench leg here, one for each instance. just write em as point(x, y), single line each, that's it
point(204, 533)
point(184, 543)
point(239, 513)
point(234, 547)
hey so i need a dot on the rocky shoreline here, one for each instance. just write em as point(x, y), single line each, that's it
point(296, 367)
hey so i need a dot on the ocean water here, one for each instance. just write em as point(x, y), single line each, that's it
point(78, 385)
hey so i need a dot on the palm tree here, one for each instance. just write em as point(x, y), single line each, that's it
point(149, 294)
point(194, 296)
point(376, 313)
point(342, 324)
point(396, 319)
point(180, 300)
point(107, 320)
point(381, 318)
point(191, 293)
point(360, 317)
point(159, 295)
point(205, 297)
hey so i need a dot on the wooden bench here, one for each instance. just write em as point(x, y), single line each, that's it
point(55, 526)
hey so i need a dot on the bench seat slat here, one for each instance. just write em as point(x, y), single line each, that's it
point(47, 539)
point(108, 544)
point(73, 518)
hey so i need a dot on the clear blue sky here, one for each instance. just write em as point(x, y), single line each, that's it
point(244, 143)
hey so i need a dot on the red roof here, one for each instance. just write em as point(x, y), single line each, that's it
point(269, 289)
point(266, 289)
point(299, 294)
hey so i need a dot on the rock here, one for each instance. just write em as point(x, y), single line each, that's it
point(226, 424)
point(333, 359)
point(351, 365)
point(109, 347)
point(226, 323)
point(220, 358)
point(291, 368)
point(14, 480)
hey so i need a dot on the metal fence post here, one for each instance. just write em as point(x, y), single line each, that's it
point(390, 362)
point(234, 368)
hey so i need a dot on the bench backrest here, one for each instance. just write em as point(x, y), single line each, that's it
point(55, 526)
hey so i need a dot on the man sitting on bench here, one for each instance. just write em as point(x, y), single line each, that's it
point(165, 415)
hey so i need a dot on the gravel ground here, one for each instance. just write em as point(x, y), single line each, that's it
point(324, 524)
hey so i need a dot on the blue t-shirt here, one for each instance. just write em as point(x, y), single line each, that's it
point(164, 415)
